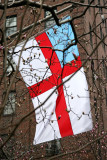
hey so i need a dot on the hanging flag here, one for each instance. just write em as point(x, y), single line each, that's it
point(44, 66)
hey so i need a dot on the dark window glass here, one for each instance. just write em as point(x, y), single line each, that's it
point(11, 25)
point(88, 1)
point(95, 106)
point(91, 40)
point(53, 148)
point(106, 96)
point(10, 105)
point(51, 21)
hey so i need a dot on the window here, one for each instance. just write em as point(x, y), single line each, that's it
point(102, 37)
point(11, 66)
point(98, 2)
point(95, 106)
point(89, 4)
point(106, 25)
point(2, 155)
point(92, 68)
point(51, 21)
point(104, 2)
point(91, 40)
point(10, 105)
point(92, 65)
point(11, 25)
point(103, 65)
point(104, 68)
point(101, 33)
point(53, 148)
point(106, 72)
point(8, 154)
point(82, 1)
point(106, 96)
point(103, 43)
point(88, 1)
point(12, 0)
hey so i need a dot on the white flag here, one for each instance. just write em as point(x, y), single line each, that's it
point(67, 111)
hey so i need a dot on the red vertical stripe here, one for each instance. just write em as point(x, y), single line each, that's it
point(55, 67)
point(49, 55)
point(62, 115)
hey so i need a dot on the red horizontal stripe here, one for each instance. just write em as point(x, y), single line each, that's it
point(41, 87)
point(71, 67)
point(52, 81)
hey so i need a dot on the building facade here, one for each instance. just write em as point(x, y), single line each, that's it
point(91, 28)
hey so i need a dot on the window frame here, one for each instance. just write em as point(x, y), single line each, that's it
point(11, 27)
point(91, 36)
point(11, 107)
point(12, 0)
point(51, 21)
point(53, 147)
point(10, 67)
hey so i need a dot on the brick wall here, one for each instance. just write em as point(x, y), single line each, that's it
point(23, 137)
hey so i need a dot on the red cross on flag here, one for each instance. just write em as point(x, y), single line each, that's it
point(44, 66)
